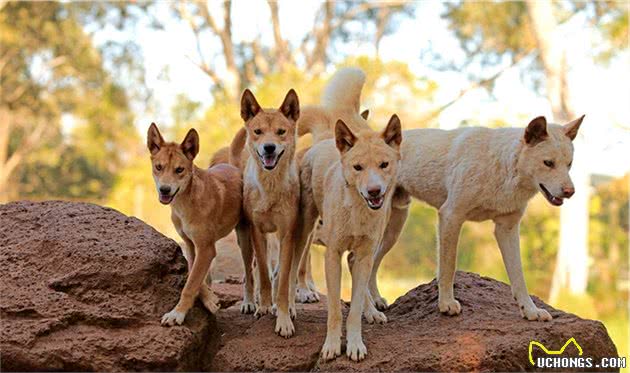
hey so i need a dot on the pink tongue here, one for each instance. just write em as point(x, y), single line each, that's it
point(376, 201)
point(268, 161)
point(165, 199)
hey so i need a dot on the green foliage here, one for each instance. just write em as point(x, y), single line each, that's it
point(495, 28)
point(54, 73)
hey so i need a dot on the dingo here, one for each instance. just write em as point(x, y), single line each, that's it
point(271, 195)
point(348, 183)
point(205, 206)
point(472, 174)
point(351, 190)
point(478, 174)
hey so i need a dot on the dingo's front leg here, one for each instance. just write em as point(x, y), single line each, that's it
point(306, 291)
point(392, 232)
point(284, 325)
point(204, 254)
point(449, 228)
point(361, 268)
point(208, 298)
point(260, 249)
point(332, 345)
point(506, 231)
point(243, 236)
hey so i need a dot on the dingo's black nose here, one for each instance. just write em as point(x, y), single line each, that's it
point(374, 191)
point(165, 190)
point(269, 148)
point(568, 192)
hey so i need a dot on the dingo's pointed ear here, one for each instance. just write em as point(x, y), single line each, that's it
point(571, 128)
point(154, 139)
point(365, 114)
point(291, 106)
point(344, 138)
point(190, 145)
point(249, 106)
point(392, 134)
point(536, 131)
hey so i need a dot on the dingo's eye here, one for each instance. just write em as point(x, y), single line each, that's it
point(281, 131)
point(179, 170)
point(384, 165)
point(258, 131)
point(549, 163)
point(358, 167)
point(158, 167)
point(569, 165)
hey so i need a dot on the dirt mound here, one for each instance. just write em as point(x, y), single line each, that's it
point(84, 287)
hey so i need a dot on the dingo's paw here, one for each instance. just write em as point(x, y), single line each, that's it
point(292, 311)
point(450, 307)
point(172, 318)
point(534, 313)
point(306, 295)
point(380, 303)
point(331, 348)
point(284, 326)
point(262, 311)
point(355, 349)
point(372, 315)
point(248, 307)
point(209, 304)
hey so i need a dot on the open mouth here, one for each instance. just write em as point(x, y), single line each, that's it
point(556, 201)
point(165, 199)
point(375, 203)
point(270, 161)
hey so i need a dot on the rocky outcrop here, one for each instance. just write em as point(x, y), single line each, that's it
point(84, 287)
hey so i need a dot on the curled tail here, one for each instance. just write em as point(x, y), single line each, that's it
point(341, 97)
point(343, 90)
point(236, 147)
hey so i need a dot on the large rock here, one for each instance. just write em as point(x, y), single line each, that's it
point(489, 335)
point(84, 287)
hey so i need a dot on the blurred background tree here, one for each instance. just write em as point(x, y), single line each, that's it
point(66, 122)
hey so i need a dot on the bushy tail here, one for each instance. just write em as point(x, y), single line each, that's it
point(343, 90)
point(236, 147)
point(342, 94)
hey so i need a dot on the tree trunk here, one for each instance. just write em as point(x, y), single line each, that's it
point(571, 271)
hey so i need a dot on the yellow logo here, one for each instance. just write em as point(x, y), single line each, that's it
point(552, 352)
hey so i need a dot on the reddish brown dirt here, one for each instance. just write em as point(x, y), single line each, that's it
point(84, 287)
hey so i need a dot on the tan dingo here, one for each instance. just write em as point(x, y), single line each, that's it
point(479, 174)
point(205, 206)
point(471, 174)
point(271, 194)
point(348, 182)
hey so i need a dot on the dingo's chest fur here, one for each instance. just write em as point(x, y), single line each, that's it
point(268, 196)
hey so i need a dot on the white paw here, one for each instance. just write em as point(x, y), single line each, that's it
point(450, 306)
point(380, 303)
point(306, 295)
point(172, 318)
point(355, 349)
point(372, 315)
point(312, 287)
point(262, 311)
point(534, 313)
point(331, 348)
point(284, 326)
point(248, 307)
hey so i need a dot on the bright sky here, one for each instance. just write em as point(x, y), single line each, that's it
point(600, 92)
